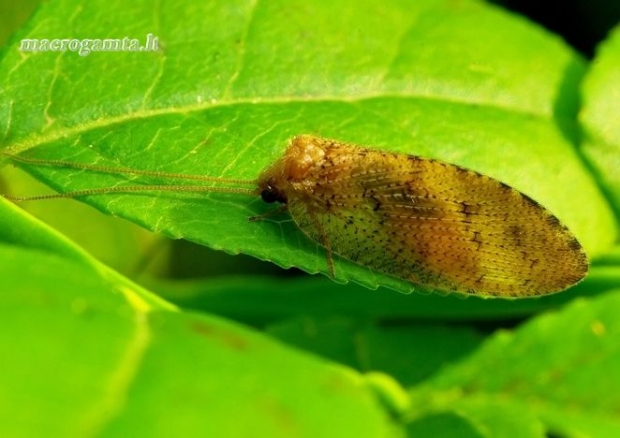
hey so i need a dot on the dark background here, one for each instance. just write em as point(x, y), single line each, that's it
point(582, 23)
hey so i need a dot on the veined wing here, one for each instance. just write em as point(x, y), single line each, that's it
point(440, 225)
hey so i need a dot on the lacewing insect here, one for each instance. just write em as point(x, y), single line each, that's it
point(421, 220)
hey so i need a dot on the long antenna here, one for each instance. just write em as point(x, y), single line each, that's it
point(126, 170)
point(129, 189)
point(132, 188)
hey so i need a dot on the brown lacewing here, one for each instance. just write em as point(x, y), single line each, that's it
point(421, 220)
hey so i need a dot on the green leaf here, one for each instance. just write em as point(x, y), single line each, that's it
point(599, 116)
point(233, 81)
point(117, 243)
point(443, 425)
point(368, 347)
point(262, 300)
point(86, 352)
point(558, 367)
point(484, 419)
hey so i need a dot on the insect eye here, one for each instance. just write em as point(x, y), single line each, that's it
point(269, 195)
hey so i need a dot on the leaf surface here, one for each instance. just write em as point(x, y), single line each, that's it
point(86, 352)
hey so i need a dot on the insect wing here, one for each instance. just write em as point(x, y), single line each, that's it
point(438, 225)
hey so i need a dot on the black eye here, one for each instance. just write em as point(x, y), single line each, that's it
point(269, 195)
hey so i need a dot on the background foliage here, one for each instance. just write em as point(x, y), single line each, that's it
point(127, 331)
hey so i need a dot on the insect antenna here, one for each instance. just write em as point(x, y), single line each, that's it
point(132, 188)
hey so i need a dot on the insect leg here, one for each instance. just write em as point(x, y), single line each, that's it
point(260, 217)
point(325, 242)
